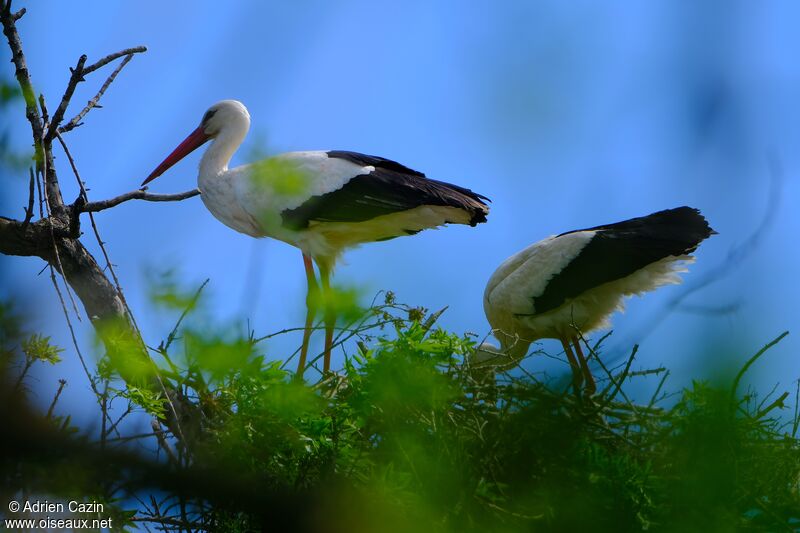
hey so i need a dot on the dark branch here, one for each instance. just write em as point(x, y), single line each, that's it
point(76, 120)
point(54, 237)
point(23, 76)
point(111, 57)
point(753, 359)
point(140, 194)
point(75, 78)
point(29, 209)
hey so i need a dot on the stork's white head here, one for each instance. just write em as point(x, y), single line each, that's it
point(500, 358)
point(227, 121)
point(226, 117)
point(488, 356)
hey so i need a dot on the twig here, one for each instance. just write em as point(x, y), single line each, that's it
point(103, 414)
point(72, 332)
point(75, 78)
point(113, 427)
point(29, 209)
point(56, 254)
point(777, 403)
point(140, 194)
point(78, 75)
point(760, 405)
point(41, 196)
point(137, 436)
point(21, 72)
point(753, 359)
point(796, 418)
point(94, 224)
point(61, 384)
point(118, 290)
point(617, 382)
point(173, 333)
point(111, 57)
point(654, 398)
point(92, 383)
point(76, 120)
point(162, 441)
point(28, 364)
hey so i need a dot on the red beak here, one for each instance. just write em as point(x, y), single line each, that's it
point(191, 143)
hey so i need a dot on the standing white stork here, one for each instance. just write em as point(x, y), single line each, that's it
point(570, 284)
point(320, 201)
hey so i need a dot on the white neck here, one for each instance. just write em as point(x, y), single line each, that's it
point(217, 157)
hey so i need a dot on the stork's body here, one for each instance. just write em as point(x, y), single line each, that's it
point(322, 202)
point(572, 283)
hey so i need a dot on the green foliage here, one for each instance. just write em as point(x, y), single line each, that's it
point(39, 348)
point(414, 439)
point(123, 353)
point(409, 437)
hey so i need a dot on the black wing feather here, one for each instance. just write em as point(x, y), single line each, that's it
point(618, 250)
point(390, 188)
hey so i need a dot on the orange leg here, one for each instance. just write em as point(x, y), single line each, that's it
point(591, 387)
point(311, 311)
point(577, 377)
point(330, 317)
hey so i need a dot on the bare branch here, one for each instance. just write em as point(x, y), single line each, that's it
point(111, 57)
point(23, 76)
point(779, 402)
point(29, 209)
point(19, 14)
point(53, 238)
point(76, 120)
point(61, 384)
point(59, 266)
point(140, 194)
point(75, 78)
point(171, 337)
point(753, 359)
point(132, 320)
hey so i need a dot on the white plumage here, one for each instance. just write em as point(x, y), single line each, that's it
point(571, 284)
point(322, 202)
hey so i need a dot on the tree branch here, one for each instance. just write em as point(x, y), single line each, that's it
point(54, 237)
point(111, 57)
point(76, 120)
point(753, 359)
point(29, 209)
point(23, 76)
point(140, 194)
point(75, 78)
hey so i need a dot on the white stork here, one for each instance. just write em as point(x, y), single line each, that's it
point(319, 201)
point(570, 284)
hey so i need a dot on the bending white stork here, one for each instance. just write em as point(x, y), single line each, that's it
point(321, 201)
point(570, 284)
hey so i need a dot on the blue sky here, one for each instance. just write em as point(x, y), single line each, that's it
point(566, 115)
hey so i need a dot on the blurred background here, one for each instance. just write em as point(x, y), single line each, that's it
point(566, 115)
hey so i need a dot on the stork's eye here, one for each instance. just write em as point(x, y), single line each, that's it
point(208, 115)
